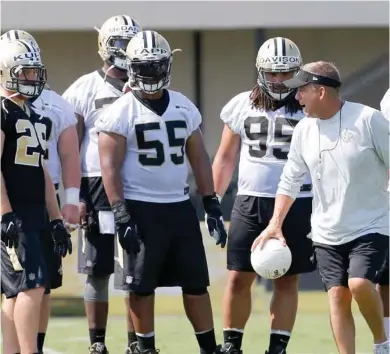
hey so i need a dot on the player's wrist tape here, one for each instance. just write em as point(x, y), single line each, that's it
point(121, 215)
point(72, 196)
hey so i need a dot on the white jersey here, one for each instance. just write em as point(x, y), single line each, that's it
point(265, 143)
point(50, 104)
point(88, 96)
point(155, 168)
point(348, 158)
point(385, 104)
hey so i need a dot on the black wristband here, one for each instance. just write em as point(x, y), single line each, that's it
point(121, 215)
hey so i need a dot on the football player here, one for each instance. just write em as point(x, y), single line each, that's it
point(26, 191)
point(383, 277)
point(259, 124)
point(88, 96)
point(149, 135)
point(62, 153)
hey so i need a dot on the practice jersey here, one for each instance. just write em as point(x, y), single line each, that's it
point(385, 104)
point(155, 168)
point(265, 143)
point(50, 104)
point(23, 154)
point(348, 159)
point(88, 96)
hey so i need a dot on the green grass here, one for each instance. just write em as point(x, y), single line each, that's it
point(174, 335)
point(68, 330)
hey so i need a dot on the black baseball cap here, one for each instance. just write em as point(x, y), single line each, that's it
point(303, 78)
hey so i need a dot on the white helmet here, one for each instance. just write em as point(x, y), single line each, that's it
point(150, 59)
point(277, 54)
point(13, 35)
point(16, 57)
point(114, 36)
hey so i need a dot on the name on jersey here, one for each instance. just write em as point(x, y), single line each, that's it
point(123, 28)
point(150, 51)
point(30, 55)
point(280, 59)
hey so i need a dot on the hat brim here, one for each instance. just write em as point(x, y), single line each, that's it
point(295, 82)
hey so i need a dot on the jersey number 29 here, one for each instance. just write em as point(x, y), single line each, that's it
point(31, 144)
point(157, 145)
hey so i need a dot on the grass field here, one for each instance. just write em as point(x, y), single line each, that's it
point(68, 332)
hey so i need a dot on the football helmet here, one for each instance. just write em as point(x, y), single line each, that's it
point(18, 59)
point(114, 36)
point(277, 54)
point(149, 62)
point(12, 35)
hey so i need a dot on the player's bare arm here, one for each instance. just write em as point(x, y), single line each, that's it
point(71, 174)
point(201, 168)
point(225, 160)
point(200, 163)
point(80, 127)
point(51, 198)
point(5, 204)
point(112, 150)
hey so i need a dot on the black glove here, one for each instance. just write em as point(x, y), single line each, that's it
point(11, 229)
point(214, 219)
point(125, 228)
point(61, 238)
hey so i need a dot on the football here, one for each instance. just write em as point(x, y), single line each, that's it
point(272, 261)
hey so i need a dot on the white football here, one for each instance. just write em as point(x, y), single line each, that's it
point(272, 261)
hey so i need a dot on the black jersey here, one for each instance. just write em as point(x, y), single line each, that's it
point(23, 153)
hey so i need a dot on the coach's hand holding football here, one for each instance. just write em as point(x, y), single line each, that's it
point(273, 230)
point(214, 219)
point(126, 228)
point(11, 229)
point(61, 238)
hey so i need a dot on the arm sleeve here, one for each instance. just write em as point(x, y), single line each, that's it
point(74, 96)
point(114, 119)
point(295, 168)
point(231, 112)
point(378, 127)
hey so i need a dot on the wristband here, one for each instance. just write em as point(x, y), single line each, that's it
point(72, 196)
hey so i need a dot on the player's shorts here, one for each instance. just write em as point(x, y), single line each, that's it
point(251, 215)
point(360, 258)
point(383, 275)
point(53, 259)
point(172, 251)
point(95, 247)
point(24, 268)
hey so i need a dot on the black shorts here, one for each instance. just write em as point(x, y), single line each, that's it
point(360, 258)
point(24, 268)
point(383, 275)
point(53, 259)
point(172, 251)
point(95, 250)
point(251, 215)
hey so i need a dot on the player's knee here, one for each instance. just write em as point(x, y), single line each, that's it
point(195, 291)
point(96, 289)
point(140, 293)
point(286, 284)
point(240, 282)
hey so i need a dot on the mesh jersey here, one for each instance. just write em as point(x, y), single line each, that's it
point(23, 154)
point(88, 96)
point(265, 142)
point(155, 168)
point(52, 105)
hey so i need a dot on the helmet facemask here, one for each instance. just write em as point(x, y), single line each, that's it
point(150, 76)
point(275, 90)
point(20, 83)
point(116, 46)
